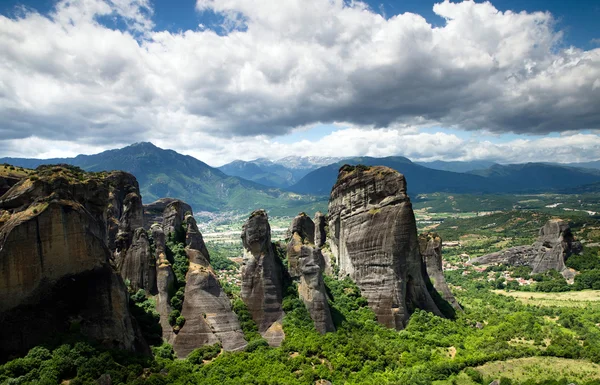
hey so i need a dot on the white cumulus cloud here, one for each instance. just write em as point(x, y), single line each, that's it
point(67, 77)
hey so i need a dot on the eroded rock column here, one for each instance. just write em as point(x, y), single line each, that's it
point(374, 241)
point(206, 307)
point(306, 265)
point(430, 245)
point(262, 286)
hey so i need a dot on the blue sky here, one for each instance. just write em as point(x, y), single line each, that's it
point(312, 79)
point(578, 19)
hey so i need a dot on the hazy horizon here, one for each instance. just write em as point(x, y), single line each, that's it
point(275, 160)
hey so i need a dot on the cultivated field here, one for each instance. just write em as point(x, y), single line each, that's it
point(537, 369)
point(541, 368)
point(567, 299)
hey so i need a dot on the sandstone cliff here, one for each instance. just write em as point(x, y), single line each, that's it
point(138, 264)
point(262, 279)
point(374, 241)
point(206, 307)
point(320, 231)
point(165, 281)
point(321, 240)
point(554, 245)
point(127, 238)
point(430, 245)
point(55, 272)
point(124, 212)
point(8, 179)
point(306, 265)
point(168, 212)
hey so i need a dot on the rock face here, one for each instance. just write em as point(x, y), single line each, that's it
point(125, 211)
point(206, 308)
point(165, 281)
point(320, 231)
point(320, 240)
point(554, 245)
point(306, 265)
point(374, 241)
point(430, 245)
point(55, 273)
point(138, 265)
point(304, 227)
point(168, 212)
point(262, 279)
point(127, 239)
point(6, 182)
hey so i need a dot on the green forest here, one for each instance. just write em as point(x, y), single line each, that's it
point(431, 350)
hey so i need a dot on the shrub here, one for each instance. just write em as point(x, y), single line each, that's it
point(173, 316)
point(256, 344)
point(206, 352)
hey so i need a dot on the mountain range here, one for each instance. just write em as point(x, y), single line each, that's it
point(166, 173)
point(292, 184)
point(280, 173)
point(497, 179)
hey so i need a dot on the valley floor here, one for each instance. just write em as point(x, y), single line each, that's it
point(584, 298)
point(537, 368)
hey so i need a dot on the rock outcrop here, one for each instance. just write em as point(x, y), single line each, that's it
point(165, 281)
point(430, 245)
point(374, 241)
point(262, 278)
point(7, 181)
point(206, 308)
point(125, 212)
point(553, 246)
point(138, 264)
point(320, 229)
point(55, 271)
point(321, 239)
point(168, 212)
point(127, 238)
point(306, 265)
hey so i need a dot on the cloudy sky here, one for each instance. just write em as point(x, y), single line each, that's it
point(509, 81)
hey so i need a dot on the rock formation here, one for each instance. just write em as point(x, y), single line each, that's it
point(321, 239)
point(206, 308)
point(304, 227)
point(138, 264)
point(127, 238)
point(55, 271)
point(554, 245)
point(168, 212)
point(374, 241)
point(125, 211)
point(320, 231)
point(165, 281)
point(430, 245)
point(7, 181)
point(306, 265)
point(262, 287)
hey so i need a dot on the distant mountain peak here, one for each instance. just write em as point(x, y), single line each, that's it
point(148, 145)
point(306, 162)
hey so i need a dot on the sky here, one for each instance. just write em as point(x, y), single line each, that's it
point(509, 80)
